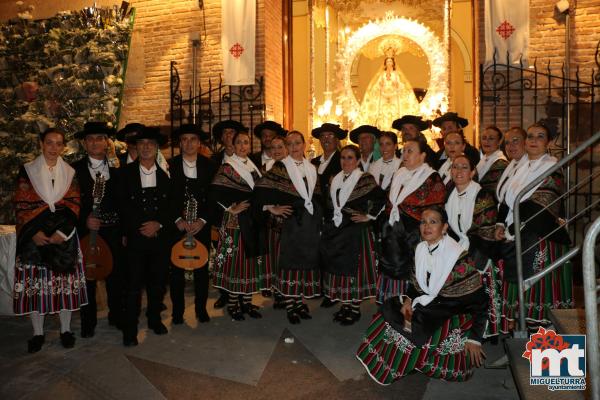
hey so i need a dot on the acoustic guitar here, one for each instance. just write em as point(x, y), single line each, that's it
point(97, 256)
point(189, 253)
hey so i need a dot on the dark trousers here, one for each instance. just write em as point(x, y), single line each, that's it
point(177, 286)
point(147, 263)
point(115, 284)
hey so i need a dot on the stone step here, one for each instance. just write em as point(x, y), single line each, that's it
point(569, 321)
point(519, 367)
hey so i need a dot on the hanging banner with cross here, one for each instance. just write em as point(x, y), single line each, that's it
point(238, 36)
point(506, 30)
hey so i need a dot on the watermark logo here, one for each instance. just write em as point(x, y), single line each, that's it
point(556, 361)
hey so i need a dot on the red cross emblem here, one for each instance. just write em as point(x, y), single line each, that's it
point(505, 29)
point(236, 50)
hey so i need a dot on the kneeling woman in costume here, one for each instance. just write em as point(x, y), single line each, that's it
point(289, 194)
point(437, 327)
point(238, 270)
point(348, 241)
point(49, 275)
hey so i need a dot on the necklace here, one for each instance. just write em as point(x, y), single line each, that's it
point(146, 173)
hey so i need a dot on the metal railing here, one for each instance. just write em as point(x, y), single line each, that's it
point(523, 285)
point(590, 291)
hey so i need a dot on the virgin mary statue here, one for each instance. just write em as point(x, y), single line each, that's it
point(388, 97)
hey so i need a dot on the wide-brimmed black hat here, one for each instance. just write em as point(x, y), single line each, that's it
point(270, 125)
point(333, 128)
point(152, 133)
point(415, 120)
point(95, 128)
point(128, 133)
point(190, 128)
point(217, 129)
point(451, 116)
point(355, 133)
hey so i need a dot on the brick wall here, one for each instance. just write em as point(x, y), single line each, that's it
point(162, 33)
point(547, 47)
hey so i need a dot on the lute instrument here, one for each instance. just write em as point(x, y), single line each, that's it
point(189, 253)
point(97, 256)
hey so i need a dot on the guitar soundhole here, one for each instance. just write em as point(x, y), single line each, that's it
point(189, 245)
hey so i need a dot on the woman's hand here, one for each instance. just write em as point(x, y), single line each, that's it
point(475, 353)
point(93, 224)
point(150, 229)
point(407, 310)
point(237, 208)
point(56, 238)
point(40, 239)
point(282, 211)
point(499, 233)
point(358, 218)
point(196, 226)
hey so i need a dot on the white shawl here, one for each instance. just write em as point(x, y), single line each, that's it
point(523, 177)
point(507, 176)
point(438, 265)
point(403, 184)
point(462, 206)
point(444, 171)
point(244, 168)
point(296, 177)
point(346, 187)
point(486, 162)
point(41, 179)
point(379, 168)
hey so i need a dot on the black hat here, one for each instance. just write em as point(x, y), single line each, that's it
point(270, 125)
point(95, 128)
point(355, 133)
point(152, 133)
point(128, 133)
point(190, 128)
point(413, 120)
point(451, 116)
point(217, 129)
point(327, 127)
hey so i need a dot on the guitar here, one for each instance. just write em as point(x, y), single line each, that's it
point(96, 253)
point(189, 253)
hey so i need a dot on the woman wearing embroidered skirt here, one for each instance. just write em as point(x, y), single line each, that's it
point(290, 195)
point(472, 213)
point(492, 162)
point(49, 275)
point(238, 269)
point(544, 239)
point(348, 242)
point(414, 187)
point(437, 327)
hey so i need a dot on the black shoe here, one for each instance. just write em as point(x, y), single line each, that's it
point(158, 328)
point(236, 314)
point(279, 301)
point(326, 303)
point(303, 312)
point(293, 317)
point(130, 342)
point(202, 316)
point(67, 339)
point(221, 301)
point(177, 320)
point(339, 315)
point(266, 293)
point(88, 332)
point(350, 318)
point(35, 343)
point(251, 310)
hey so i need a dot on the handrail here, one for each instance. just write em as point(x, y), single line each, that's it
point(591, 307)
point(522, 331)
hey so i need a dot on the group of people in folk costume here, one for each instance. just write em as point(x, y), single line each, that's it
point(428, 235)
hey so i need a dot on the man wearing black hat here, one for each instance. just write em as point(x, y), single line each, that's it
point(452, 122)
point(191, 175)
point(127, 135)
point(223, 132)
point(147, 220)
point(265, 131)
point(365, 136)
point(411, 127)
point(103, 218)
point(328, 164)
